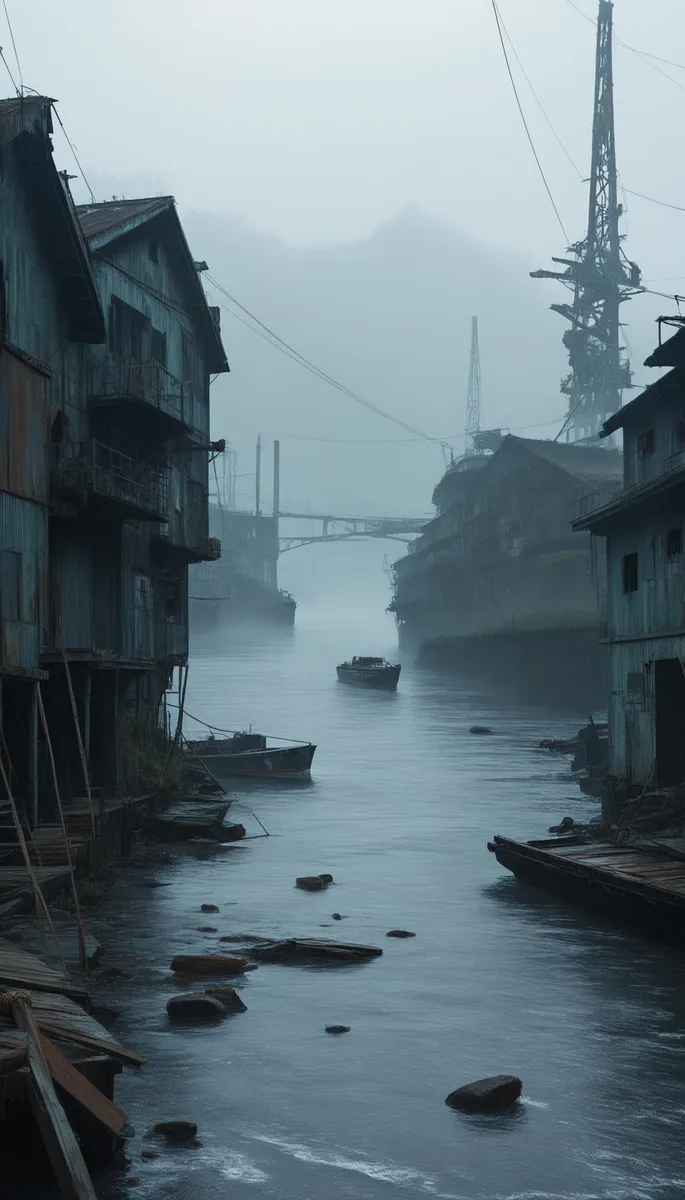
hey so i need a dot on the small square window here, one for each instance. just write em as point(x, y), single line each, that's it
point(674, 543)
point(153, 250)
point(645, 443)
point(629, 573)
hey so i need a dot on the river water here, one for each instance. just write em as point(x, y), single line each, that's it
point(499, 978)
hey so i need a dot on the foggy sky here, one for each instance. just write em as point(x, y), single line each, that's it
point(317, 121)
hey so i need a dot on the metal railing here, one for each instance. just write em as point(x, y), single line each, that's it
point(115, 378)
point(91, 468)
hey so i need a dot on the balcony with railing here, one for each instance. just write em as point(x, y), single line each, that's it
point(141, 391)
point(99, 477)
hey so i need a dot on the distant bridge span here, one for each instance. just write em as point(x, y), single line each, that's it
point(341, 529)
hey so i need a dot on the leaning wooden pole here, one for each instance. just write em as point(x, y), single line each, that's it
point(83, 956)
point(77, 726)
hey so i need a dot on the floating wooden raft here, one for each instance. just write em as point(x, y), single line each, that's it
point(643, 885)
point(195, 818)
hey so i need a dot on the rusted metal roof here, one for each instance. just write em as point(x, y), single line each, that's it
point(103, 223)
point(582, 462)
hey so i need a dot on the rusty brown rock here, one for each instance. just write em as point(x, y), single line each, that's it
point(207, 964)
point(228, 997)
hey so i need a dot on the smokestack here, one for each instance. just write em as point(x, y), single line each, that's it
point(258, 475)
point(277, 479)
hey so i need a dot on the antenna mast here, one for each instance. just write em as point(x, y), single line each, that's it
point(599, 275)
point(474, 398)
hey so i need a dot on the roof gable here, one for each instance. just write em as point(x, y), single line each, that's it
point(107, 223)
point(26, 122)
point(584, 463)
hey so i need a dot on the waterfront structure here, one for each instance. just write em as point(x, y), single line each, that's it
point(645, 619)
point(498, 582)
point(108, 344)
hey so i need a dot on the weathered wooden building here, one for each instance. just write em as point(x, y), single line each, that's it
point(108, 344)
point(645, 602)
point(50, 314)
point(498, 581)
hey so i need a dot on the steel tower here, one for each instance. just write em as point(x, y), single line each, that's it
point(474, 398)
point(599, 275)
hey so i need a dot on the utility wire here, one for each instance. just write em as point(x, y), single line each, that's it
point(73, 151)
point(652, 200)
point(498, 20)
point(537, 100)
point(651, 59)
point(452, 437)
point(279, 344)
point(14, 46)
point(7, 68)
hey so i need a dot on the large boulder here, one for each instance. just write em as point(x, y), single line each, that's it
point(312, 883)
point(194, 1006)
point(228, 998)
point(207, 964)
point(209, 908)
point(486, 1095)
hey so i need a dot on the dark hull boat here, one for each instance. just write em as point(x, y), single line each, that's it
point(247, 755)
point(370, 673)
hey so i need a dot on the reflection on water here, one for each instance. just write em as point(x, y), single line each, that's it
point(499, 978)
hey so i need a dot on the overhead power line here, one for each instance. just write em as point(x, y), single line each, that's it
point(285, 348)
point(73, 151)
point(7, 68)
point(14, 46)
point(499, 23)
point(651, 59)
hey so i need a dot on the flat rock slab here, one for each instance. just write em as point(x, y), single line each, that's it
point(480, 729)
point(194, 1006)
point(400, 933)
point(227, 997)
point(338, 1028)
point(207, 964)
point(308, 950)
point(486, 1095)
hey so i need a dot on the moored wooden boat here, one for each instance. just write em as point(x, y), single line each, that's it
point(249, 755)
point(370, 672)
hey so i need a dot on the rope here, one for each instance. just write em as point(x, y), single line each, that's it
point(83, 957)
point(13, 996)
point(218, 729)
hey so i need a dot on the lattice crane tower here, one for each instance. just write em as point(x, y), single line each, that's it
point(599, 275)
point(474, 398)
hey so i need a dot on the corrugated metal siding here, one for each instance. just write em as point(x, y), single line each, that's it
point(663, 422)
point(658, 605)
point(23, 583)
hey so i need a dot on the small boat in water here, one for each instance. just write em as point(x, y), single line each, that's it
point(370, 672)
point(248, 755)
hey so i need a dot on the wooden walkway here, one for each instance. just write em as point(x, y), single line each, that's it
point(15, 882)
point(646, 886)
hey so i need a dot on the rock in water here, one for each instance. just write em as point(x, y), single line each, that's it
point(209, 908)
point(400, 933)
point(194, 1005)
point(233, 833)
point(486, 1095)
point(104, 1014)
point(326, 878)
point(176, 1131)
point(311, 883)
point(207, 929)
point(482, 729)
point(228, 997)
point(207, 964)
point(336, 917)
point(338, 1028)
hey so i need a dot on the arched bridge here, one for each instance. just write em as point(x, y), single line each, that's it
point(339, 529)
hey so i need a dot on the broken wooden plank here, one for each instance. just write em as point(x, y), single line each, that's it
point(75, 1084)
point(113, 1049)
point(59, 1139)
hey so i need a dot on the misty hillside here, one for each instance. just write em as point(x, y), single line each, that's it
point(389, 316)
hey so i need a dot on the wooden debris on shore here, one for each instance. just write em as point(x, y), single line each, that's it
point(313, 950)
point(191, 819)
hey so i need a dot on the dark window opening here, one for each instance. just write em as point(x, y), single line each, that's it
point(153, 250)
point(10, 595)
point(629, 573)
point(187, 358)
point(674, 543)
point(158, 346)
point(635, 685)
point(127, 330)
point(645, 443)
point(59, 428)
